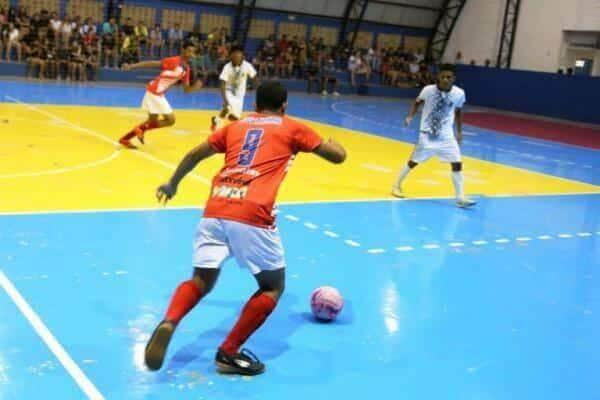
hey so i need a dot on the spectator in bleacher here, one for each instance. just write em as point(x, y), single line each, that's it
point(175, 39)
point(3, 17)
point(110, 26)
point(35, 60)
point(363, 69)
point(54, 26)
point(311, 72)
point(51, 62)
point(270, 55)
point(328, 76)
point(282, 44)
point(129, 50)
point(195, 36)
point(109, 49)
point(419, 56)
point(66, 30)
point(424, 76)
point(63, 56)
point(28, 38)
point(22, 13)
point(141, 33)
point(259, 64)
point(91, 62)
point(353, 64)
point(283, 62)
point(269, 42)
point(224, 37)
point(76, 62)
point(13, 41)
point(156, 41)
point(211, 66)
point(128, 29)
point(87, 27)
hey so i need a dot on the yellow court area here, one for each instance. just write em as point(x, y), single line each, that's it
point(67, 158)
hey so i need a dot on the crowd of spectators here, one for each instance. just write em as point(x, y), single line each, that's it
point(74, 48)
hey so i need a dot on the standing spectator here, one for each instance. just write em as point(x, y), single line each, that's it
point(311, 71)
point(282, 44)
point(51, 62)
point(109, 49)
point(128, 28)
point(141, 34)
point(156, 41)
point(55, 25)
point(211, 65)
point(91, 62)
point(77, 62)
point(353, 64)
point(13, 42)
point(328, 77)
point(66, 30)
point(63, 62)
point(175, 39)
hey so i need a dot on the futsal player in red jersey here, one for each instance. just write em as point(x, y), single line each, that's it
point(239, 221)
point(173, 70)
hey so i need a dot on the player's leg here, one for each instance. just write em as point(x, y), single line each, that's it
point(450, 152)
point(420, 154)
point(260, 250)
point(210, 252)
point(216, 122)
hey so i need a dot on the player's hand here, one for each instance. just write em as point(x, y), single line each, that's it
point(126, 67)
point(165, 193)
point(407, 121)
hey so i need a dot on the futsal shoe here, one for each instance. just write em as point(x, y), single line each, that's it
point(158, 344)
point(242, 363)
point(127, 144)
point(465, 203)
point(397, 192)
point(139, 133)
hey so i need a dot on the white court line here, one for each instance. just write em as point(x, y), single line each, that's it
point(106, 139)
point(375, 167)
point(44, 333)
point(92, 164)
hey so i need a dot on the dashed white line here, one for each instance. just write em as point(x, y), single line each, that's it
point(565, 236)
point(523, 239)
point(292, 218)
point(376, 251)
point(404, 248)
point(331, 234)
point(376, 167)
point(352, 243)
point(503, 240)
point(479, 242)
point(431, 246)
point(584, 234)
point(544, 237)
point(456, 244)
point(310, 225)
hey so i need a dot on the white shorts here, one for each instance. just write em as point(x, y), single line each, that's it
point(236, 104)
point(446, 150)
point(258, 249)
point(154, 104)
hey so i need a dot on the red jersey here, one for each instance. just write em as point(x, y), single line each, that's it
point(173, 70)
point(258, 152)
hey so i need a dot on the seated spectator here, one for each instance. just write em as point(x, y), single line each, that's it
point(66, 30)
point(128, 29)
point(76, 62)
point(13, 41)
point(141, 34)
point(311, 72)
point(129, 50)
point(35, 60)
point(91, 62)
point(211, 67)
point(27, 41)
point(51, 62)
point(424, 76)
point(55, 26)
point(363, 69)
point(175, 39)
point(63, 57)
point(109, 50)
point(260, 64)
point(156, 41)
point(328, 76)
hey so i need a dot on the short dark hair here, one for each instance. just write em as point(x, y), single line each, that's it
point(236, 48)
point(448, 67)
point(187, 43)
point(270, 95)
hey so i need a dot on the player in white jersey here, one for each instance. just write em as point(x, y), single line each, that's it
point(442, 107)
point(234, 79)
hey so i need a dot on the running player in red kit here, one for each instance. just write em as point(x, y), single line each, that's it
point(173, 70)
point(239, 221)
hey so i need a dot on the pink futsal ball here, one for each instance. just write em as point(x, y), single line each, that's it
point(326, 303)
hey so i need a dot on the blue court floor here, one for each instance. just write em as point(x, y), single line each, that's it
point(498, 302)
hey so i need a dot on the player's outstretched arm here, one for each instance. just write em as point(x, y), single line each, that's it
point(413, 110)
point(166, 191)
point(332, 151)
point(143, 64)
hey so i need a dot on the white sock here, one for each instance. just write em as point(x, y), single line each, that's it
point(403, 173)
point(458, 181)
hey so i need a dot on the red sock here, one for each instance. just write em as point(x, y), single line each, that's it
point(146, 126)
point(255, 312)
point(186, 296)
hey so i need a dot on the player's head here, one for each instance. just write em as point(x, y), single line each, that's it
point(446, 76)
point(236, 55)
point(271, 96)
point(188, 49)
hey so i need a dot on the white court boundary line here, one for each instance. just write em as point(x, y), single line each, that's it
point(55, 347)
point(105, 138)
point(59, 171)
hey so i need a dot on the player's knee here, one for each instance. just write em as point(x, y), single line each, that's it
point(170, 119)
point(412, 164)
point(456, 166)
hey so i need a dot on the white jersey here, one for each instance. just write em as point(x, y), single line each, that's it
point(437, 118)
point(236, 78)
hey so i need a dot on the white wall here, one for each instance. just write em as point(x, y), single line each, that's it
point(477, 32)
point(539, 40)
